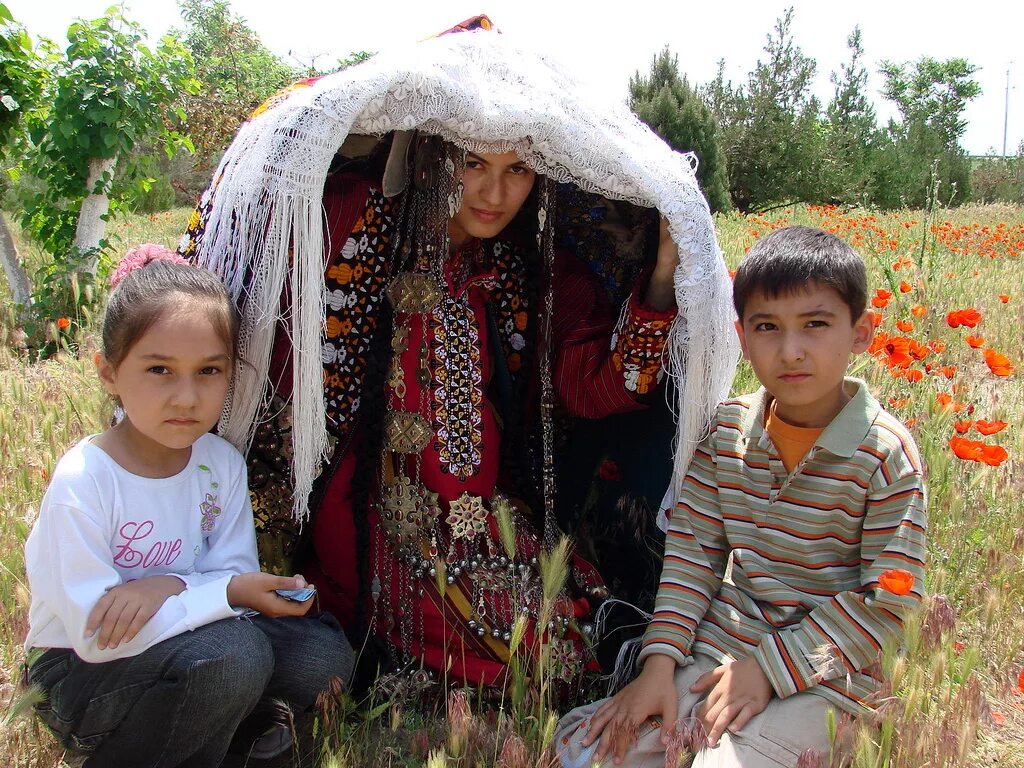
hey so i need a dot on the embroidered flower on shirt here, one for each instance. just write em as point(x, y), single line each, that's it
point(210, 511)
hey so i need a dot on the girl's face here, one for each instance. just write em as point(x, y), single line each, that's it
point(494, 189)
point(171, 383)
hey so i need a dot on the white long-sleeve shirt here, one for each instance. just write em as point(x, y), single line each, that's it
point(100, 526)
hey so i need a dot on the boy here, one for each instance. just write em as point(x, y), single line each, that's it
point(816, 495)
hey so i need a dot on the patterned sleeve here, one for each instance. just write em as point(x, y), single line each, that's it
point(639, 340)
point(696, 553)
point(848, 632)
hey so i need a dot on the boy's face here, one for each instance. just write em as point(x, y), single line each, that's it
point(799, 345)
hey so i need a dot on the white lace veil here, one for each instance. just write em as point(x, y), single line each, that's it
point(482, 92)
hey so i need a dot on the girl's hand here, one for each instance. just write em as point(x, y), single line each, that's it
point(661, 287)
point(256, 591)
point(125, 609)
point(652, 694)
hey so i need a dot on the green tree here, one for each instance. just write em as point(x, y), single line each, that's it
point(236, 71)
point(109, 92)
point(106, 94)
point(21, 80)
point(931, 96)
point(772, 134)
point(665, 102)
point(853, 135)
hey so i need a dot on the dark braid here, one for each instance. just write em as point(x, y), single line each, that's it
point(368, 451)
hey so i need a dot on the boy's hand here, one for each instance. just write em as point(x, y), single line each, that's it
point(125, 609)
point(619, 719)
point(256, 591)
point(739, 690)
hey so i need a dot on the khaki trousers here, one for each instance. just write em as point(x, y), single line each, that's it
point(773, 738)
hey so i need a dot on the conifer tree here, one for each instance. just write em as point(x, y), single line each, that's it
point(665, 101)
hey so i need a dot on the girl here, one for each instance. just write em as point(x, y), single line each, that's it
point(144, 554)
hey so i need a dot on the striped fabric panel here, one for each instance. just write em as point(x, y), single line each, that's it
point(807, 551)
point(587, 381)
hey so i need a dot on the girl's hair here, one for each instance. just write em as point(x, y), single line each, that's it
point(145, 291)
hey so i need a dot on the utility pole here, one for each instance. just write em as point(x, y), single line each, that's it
point(1006, 108)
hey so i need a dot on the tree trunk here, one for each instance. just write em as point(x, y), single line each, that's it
point(17, 279)
point(90, 219)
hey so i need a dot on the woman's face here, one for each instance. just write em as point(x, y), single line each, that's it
point(494, 189)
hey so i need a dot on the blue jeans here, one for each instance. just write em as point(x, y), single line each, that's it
point(179, 702)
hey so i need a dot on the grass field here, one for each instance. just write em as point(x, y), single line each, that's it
point(950, 300)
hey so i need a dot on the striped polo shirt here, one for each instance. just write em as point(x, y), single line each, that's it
point(807, 548)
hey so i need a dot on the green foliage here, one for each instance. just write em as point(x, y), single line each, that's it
point(236, 71)
point(666, 102)
point(771, 130)
point(852, 131)
point(67, 294)
point(107, 94)
point(782, 147)
point(356, 57)
point(932, 96)
point(21, 76)
point(998, 179)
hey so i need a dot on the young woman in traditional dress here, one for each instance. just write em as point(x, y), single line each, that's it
point(425, 314)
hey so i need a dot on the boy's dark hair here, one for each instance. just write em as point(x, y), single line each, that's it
point(788, 259)
point(145, 293)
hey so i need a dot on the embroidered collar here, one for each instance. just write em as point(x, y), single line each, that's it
point(468, 266)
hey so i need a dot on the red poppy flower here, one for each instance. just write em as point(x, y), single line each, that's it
point(897, 581)
point(962, 426)
point(905, 287)
point(998, 363)
point(969, 318)
point(63, 323)
point(968, 450)
point(914, 375)
point(876, 319)
point(976, 342)
point(989, 427)
point(938, 346)
point(918, 351)
point(1020, 682)
point(993, 455)
point(1003, 297)
point(897, 351)
point(898, 402)
point(919, 310)
point(905, 325)
point(878, 341)
point(881, 298)
point(949, 371)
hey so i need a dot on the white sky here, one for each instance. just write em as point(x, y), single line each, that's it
point(610, 45)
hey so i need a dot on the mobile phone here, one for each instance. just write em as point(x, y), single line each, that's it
point(297, 595)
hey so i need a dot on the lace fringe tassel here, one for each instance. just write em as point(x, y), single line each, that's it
point(625, 661)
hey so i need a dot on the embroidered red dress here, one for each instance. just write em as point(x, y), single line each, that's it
point(442, 464)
